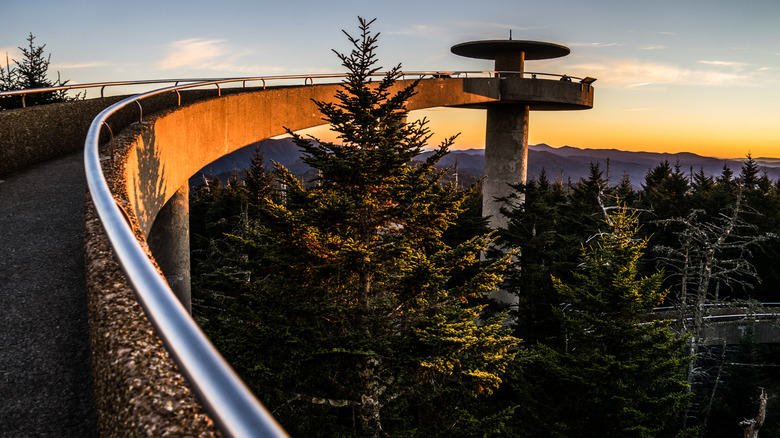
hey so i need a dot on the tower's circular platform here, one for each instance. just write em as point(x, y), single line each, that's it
point(489, 49)
point(537, 94)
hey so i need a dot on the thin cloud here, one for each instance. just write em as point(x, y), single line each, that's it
point(724, 63)
point(655, 47)
point(418, 30)
point(631, 73)
point(592, 44)
point(74, 65)
point(195, 53)
point(211, 55)
point(493, 25)
point(489, 30)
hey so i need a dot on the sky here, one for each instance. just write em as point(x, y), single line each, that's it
point(698, 76)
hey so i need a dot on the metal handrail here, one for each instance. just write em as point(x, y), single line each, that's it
point(308, 79)
point(232, 405)
point(102, 85)
point(721, 304)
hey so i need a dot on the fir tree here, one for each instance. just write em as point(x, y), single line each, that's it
point(537, 224)
point(32, 72)
point(622, 377)
point(259, 182)
point(749, 174)
point(354, 311)
point(702, 183)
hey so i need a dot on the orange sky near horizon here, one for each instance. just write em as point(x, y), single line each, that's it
point(712, 135)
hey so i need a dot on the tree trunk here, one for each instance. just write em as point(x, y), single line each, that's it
point(368, 409)
point(752, 425)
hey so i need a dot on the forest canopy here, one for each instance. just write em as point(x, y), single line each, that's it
point(356, 304)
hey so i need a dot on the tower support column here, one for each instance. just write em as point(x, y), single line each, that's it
point(506, 156)
point(169, 241)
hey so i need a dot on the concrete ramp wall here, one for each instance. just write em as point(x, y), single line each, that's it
point(169, 147)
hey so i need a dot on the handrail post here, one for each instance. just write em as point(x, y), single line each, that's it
point(111, 142)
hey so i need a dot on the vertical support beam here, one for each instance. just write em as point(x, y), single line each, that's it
point(510, 61)
point(169, 241)
point(506, 156)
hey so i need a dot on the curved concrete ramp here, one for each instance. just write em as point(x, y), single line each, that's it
point(45, 370)
point(170, 147)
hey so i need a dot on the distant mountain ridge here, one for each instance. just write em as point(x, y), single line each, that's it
point(567, 163)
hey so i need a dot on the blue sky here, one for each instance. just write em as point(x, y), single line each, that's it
point(702, 76)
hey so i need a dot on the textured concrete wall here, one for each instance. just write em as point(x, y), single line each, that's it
point(171, 146)
point(546, 94)
point(539, 94)
point(40, 133)
point(36, 134)
point(139, 390)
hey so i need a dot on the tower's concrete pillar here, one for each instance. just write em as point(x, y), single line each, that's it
point(510, 61)
point(506, 156)
point(169, 241)
point(506, 137)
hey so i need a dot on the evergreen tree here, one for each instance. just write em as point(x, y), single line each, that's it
point(32, 72)
point(624, 191)
point(726, 181)
point(354, 313)
point(665, 190)
point(749, 174)
point(7, 83)
point(621, 377)
point(537, 225)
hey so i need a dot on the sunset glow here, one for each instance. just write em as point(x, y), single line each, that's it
point(700, 76)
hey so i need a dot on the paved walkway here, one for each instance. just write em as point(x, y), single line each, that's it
point(45, 374)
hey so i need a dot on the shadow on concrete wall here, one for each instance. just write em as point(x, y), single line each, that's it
point(150, 194)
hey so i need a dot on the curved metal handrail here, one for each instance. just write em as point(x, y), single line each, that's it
point(308, 80)
point(721, 304)
point(233, 406)
point(102, 85)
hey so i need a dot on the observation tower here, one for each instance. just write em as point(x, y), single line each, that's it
point(518, 92)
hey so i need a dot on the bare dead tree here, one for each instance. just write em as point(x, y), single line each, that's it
point(709, 254)
point(752, 425)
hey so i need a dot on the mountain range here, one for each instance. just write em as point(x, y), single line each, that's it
point(566, 163)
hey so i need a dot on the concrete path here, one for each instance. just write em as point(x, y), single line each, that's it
point(45, 375)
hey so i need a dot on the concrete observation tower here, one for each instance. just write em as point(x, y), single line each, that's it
point(517, 92)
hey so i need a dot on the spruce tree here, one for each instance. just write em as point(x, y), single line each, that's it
point(32, 72)
point(7, 83)
point(354, 314)
point(621, 376)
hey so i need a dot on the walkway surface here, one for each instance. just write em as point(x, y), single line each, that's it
point(45, 371)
